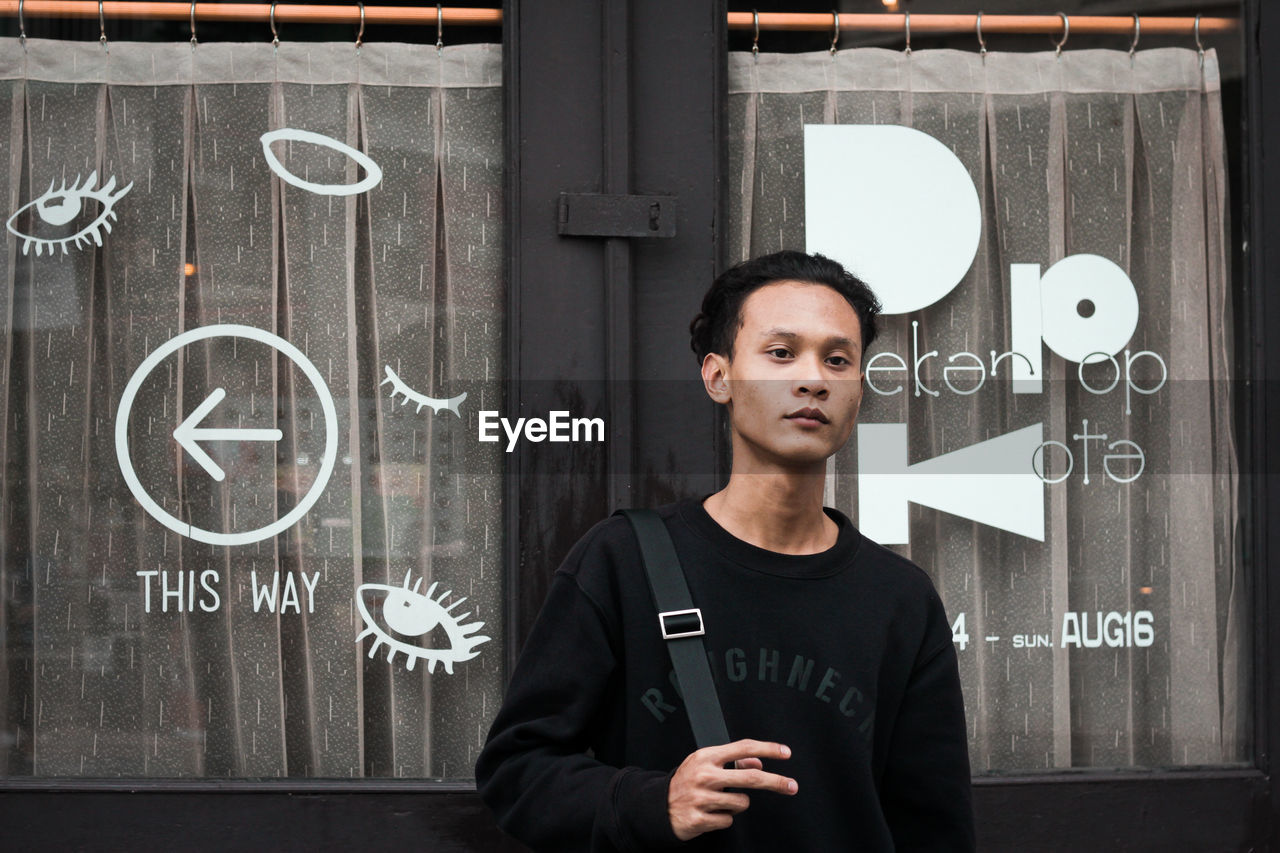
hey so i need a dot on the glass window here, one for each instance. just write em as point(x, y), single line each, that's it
point(253, 304)
point(1049, 423)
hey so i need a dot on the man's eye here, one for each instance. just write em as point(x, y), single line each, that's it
point(838, 360)
point(779, 352)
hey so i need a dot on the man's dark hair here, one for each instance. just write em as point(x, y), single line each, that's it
point(716, 326)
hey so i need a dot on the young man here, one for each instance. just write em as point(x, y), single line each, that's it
point(832, 656)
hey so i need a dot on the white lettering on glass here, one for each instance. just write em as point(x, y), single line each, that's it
point(288, 600)
point(874, 195)
point(179, 589)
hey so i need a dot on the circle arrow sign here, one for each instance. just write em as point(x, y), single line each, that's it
point(189, 433)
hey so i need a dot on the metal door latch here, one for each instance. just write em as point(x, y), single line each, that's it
point(598, 215)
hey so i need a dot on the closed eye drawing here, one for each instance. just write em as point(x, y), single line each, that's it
point(409, 613)
point(62, 206)
point(398, 386)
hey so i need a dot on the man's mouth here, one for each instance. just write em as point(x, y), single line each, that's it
point(809, 415)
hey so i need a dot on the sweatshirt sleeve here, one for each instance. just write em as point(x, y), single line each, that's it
point(926, 792)
point(534, 772)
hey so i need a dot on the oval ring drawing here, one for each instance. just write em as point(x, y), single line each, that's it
point(373, 172)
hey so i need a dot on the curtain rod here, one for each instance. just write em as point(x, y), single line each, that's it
point(881, 22)
point(347, 13)
point(1051, 24)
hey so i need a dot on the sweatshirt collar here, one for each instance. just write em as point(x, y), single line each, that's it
point(822, 564)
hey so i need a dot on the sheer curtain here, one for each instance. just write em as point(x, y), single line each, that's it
point(1091, 153)
point(361, 236)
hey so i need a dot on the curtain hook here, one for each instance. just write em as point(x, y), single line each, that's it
point(1199, 46)
point(360, 35)
point(1137, 33)
point(835, 31)
point(275, 36)
point(982, 45)
point(22, 26)
point(439, 28)
point(193, 25)
point(906, 26)
point(102, 28)
point(755, 38)
point(1066, 31)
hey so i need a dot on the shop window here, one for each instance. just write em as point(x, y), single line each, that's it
point(1049, 420)
point(254, 309)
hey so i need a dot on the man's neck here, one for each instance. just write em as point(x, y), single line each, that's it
point(779, 512)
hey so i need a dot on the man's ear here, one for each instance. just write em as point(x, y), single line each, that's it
point(715, 377)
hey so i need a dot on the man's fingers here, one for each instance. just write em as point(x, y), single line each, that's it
point(761, 780)
point(713, 821)
point(747, 748)
point(726, 801)
point(745, 756)
point(697, 799)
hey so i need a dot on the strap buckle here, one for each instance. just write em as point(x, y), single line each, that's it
point(677, 624)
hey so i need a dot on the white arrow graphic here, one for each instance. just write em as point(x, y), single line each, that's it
point(189, 432)
point(991, 482)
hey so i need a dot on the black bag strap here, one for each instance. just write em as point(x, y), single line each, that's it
point(681, 626)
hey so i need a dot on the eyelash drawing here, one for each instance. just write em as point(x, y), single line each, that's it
point(414, 614)
point(410, 396)
point(60, 206)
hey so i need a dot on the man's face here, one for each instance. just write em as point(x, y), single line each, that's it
point(794, 384)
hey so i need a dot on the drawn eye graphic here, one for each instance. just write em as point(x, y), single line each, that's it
point(410, 396)
point(63, 205)
point(372, 171)
point(410, 613)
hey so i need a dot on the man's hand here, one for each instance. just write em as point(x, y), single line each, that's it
point(697, 801)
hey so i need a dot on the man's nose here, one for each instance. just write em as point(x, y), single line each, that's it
point(816, 388)
point(812, 383)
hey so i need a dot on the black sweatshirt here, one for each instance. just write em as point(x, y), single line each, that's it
point(845, 656)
